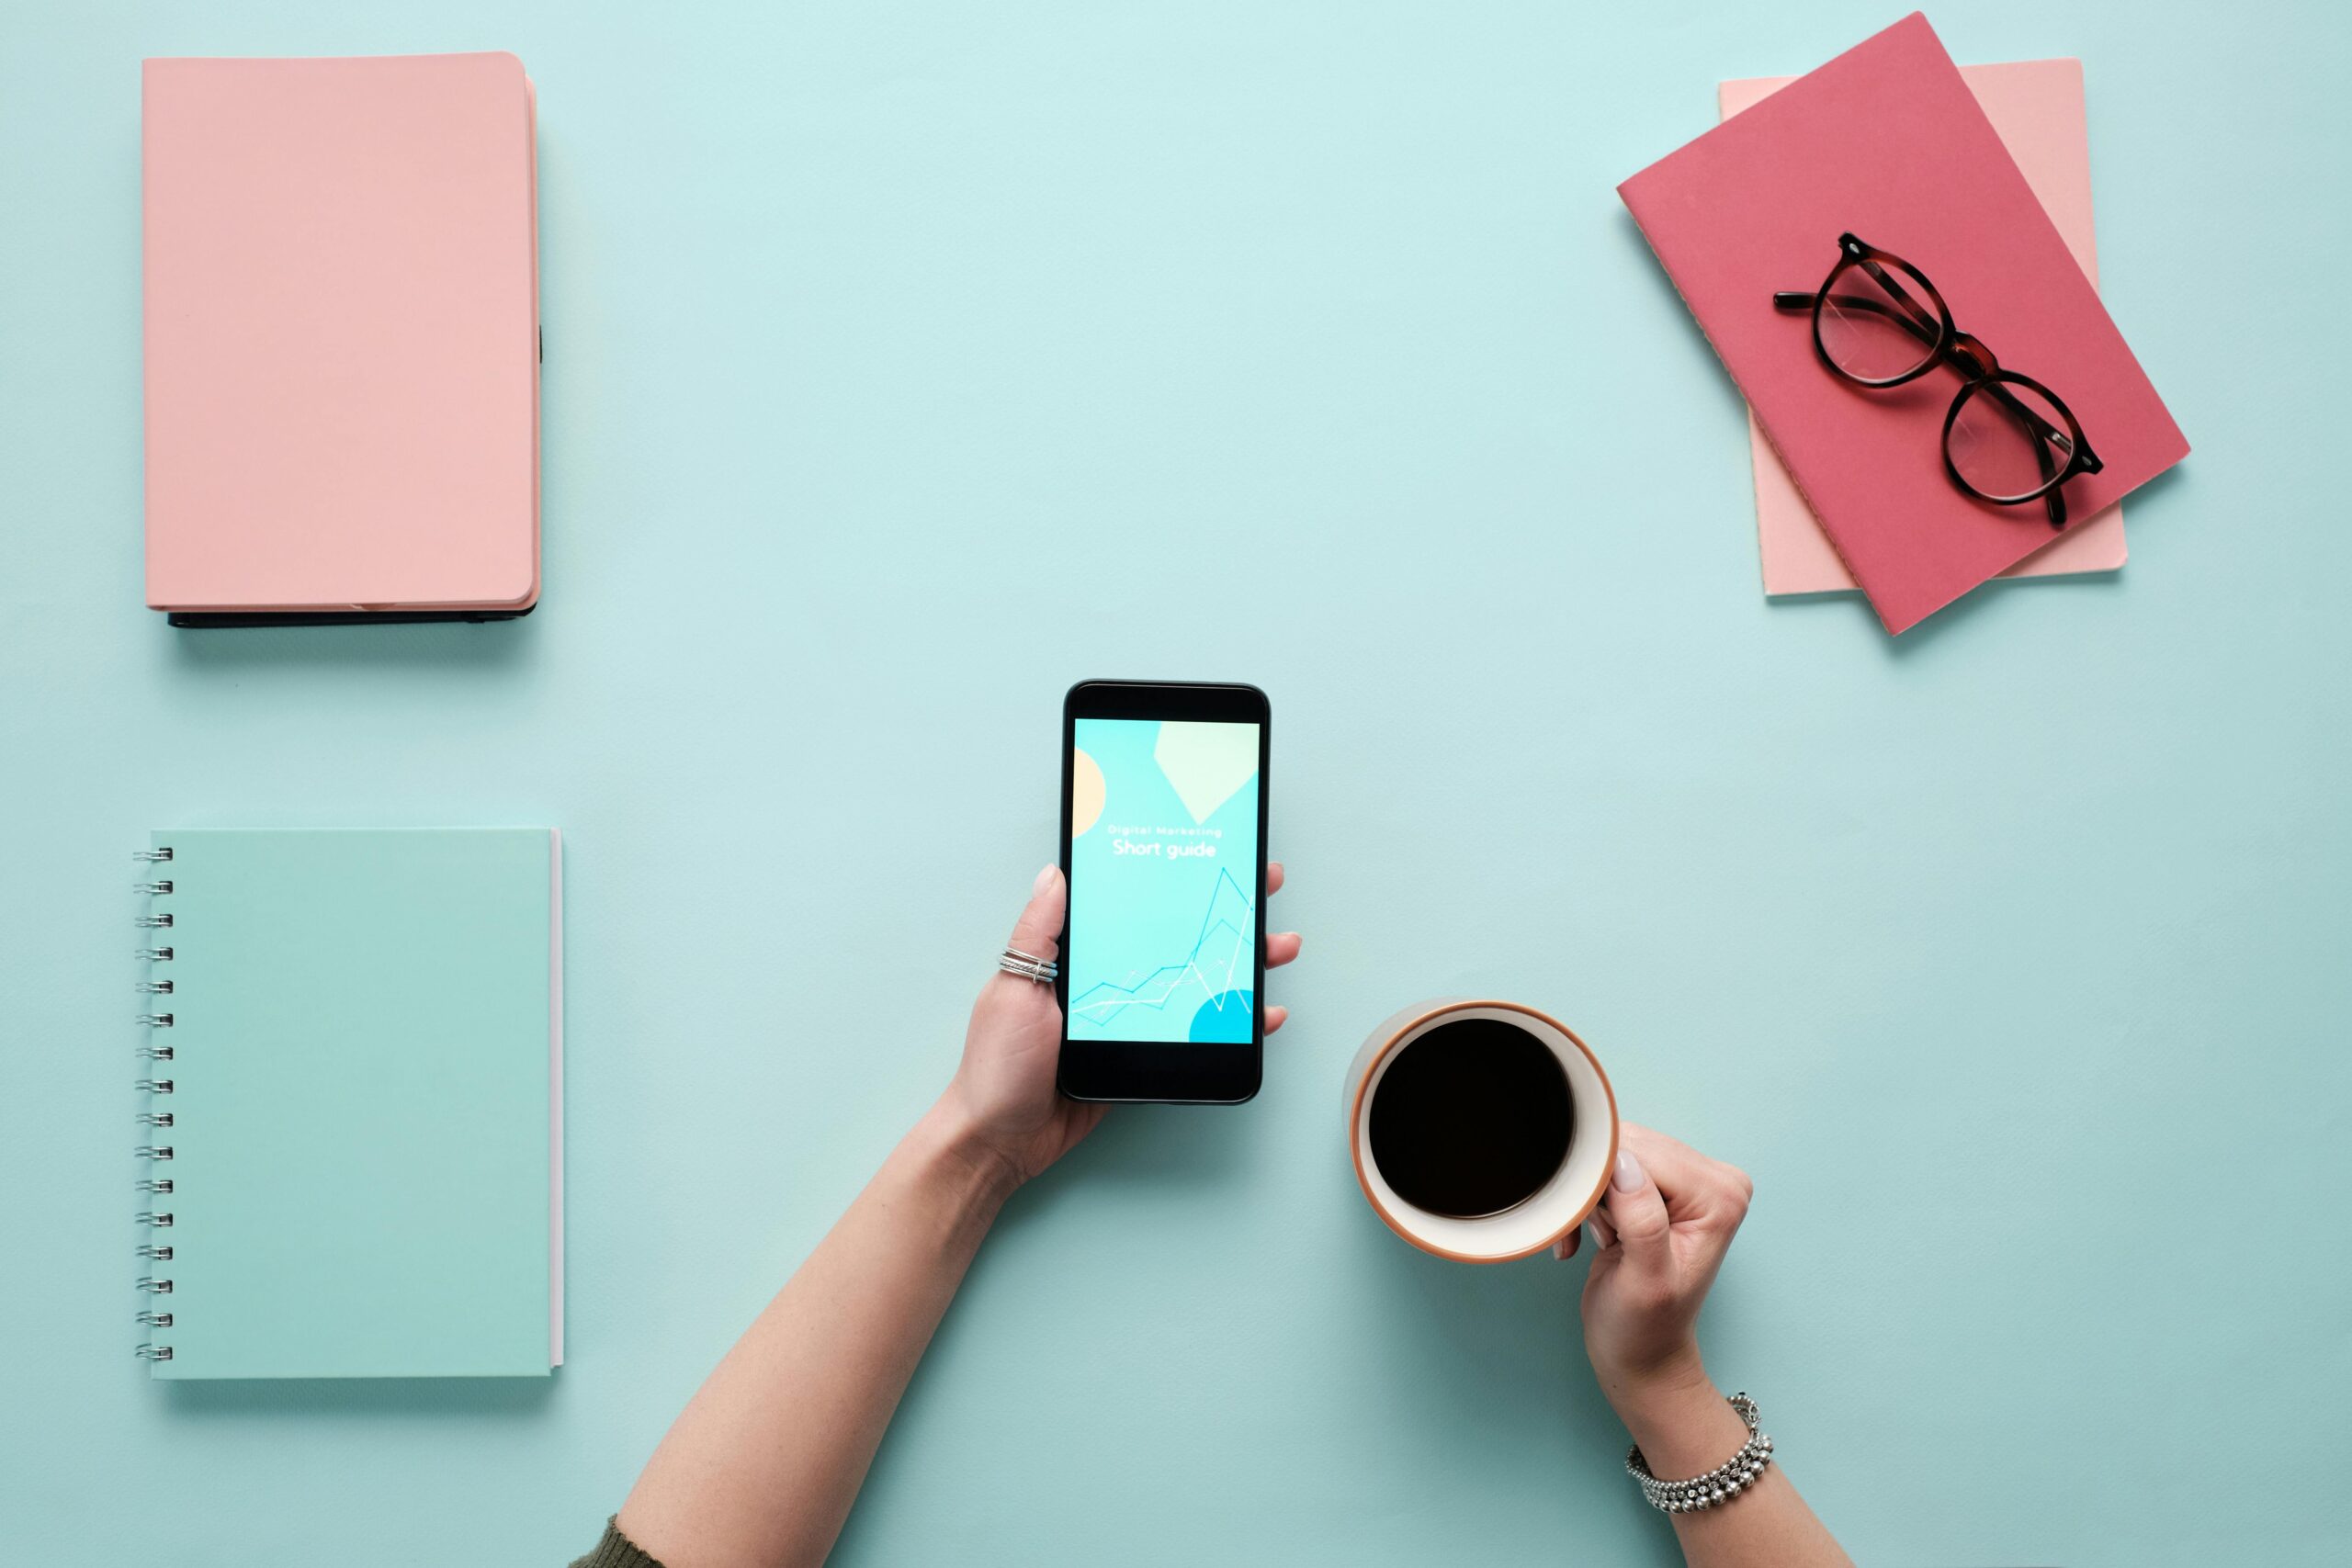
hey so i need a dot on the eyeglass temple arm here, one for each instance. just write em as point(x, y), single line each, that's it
point(1921, 322)
point(1925, 332)
point(1921, 319)
point(1794, 300)
point(2053, 502)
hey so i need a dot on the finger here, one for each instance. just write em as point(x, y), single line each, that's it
point(1603, 1234)
point(1274, 877)
point(1280, 948)
point(1667, 1159)
point(1566, 1247)
point(1039, 928)
point(1680, 1171)
point(1696, 1187)
point(1638, 1211)
point(1276, 1018)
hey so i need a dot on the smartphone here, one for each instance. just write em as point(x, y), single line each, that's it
point(1163, 957)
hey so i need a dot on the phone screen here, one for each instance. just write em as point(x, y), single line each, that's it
point(1164, 881)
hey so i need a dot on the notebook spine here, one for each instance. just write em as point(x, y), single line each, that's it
point(155, 1118)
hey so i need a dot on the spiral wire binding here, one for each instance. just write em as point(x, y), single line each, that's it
point(153, 1220)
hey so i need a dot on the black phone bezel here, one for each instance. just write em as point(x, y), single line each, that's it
point(1181, 1071)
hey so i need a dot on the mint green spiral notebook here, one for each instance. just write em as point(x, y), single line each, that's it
point(353, 1112)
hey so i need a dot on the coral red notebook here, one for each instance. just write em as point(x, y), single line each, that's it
point(2036, 107)
point(1887, 142)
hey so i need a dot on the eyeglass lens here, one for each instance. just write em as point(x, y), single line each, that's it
point(2008, 441)
point(1874, 330)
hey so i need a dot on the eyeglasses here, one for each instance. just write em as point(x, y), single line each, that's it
point(2007, 439)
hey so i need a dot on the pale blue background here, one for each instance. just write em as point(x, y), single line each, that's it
point(899, 358)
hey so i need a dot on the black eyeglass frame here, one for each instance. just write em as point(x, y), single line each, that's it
point(1966, 353)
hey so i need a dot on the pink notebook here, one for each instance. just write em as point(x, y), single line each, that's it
point(341, 336)
point(2036, 108)
point(1887, 142)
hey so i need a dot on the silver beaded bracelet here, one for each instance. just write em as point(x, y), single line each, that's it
point(1720, 1484)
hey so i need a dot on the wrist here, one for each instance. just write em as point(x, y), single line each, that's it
point(949, 1138)
point(1676, 1416)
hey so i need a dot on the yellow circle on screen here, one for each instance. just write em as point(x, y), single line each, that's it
point(1086, 792)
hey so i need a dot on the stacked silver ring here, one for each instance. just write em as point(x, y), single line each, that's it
point(1028, 966)
point(1719, 1485)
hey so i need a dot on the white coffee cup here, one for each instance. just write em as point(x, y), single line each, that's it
point(1555, 1209)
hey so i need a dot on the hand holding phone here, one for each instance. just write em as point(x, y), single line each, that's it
point(1003, 1092)
point(1003, 1088)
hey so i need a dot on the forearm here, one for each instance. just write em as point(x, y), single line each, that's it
point(1685, 1426)
point(760, 1469)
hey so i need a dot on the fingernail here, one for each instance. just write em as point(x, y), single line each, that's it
point(1044, 880)
point(1629, 1176)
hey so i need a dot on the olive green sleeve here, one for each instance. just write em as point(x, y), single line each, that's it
point(615, 1550)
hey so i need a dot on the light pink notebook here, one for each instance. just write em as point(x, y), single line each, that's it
point(342, 334)
point(1887, 142)
point(2036, 108)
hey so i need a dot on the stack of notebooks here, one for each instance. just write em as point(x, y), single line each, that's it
point(354, 1106)
point(342, 340)
point(1982, 179)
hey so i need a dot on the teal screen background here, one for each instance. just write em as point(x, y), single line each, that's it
point(1162, 942)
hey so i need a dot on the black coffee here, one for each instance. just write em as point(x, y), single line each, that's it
point(1470, 1119)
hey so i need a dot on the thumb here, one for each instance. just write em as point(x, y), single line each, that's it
point(1637, 1211)
point(1038, 931)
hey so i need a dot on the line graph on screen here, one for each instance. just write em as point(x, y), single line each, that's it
point(1221, 952)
